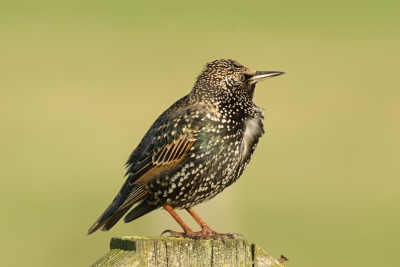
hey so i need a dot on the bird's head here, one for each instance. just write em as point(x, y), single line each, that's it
point(228, 80)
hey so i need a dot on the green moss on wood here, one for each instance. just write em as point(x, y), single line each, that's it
point(170, 251)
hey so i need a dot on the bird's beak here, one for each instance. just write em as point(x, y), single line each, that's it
point(262, 75)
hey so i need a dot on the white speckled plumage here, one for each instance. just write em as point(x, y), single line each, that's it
point(196, 148)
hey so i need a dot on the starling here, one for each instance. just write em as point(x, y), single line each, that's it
point(194, 150)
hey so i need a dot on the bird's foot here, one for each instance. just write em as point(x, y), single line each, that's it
point(206, 233)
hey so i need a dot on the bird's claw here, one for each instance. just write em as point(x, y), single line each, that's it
point(165, 231)
point(203, 235)
point(173, 233)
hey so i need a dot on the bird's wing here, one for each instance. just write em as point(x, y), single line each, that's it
point(166, 144)
point(171, 143)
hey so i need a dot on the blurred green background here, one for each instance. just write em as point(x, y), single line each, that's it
point(81, 82)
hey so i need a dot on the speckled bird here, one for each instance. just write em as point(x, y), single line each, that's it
point(196, 148)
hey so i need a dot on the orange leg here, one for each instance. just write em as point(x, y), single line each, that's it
point(205, 233)
point(185, 228)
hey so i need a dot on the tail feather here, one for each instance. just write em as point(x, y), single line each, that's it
point(107, 220)
point(143, 208)
point(129, 195)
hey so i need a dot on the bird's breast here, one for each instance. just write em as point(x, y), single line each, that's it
point(253, 129)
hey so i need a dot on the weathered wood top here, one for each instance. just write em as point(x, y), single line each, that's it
point(171, 251)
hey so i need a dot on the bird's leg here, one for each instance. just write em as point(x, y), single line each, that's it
point(206, 232)
point(205, 228)
point(187, 232)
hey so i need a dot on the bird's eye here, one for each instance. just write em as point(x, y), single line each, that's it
point(242, 78)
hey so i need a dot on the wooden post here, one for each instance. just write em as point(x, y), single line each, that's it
point(171, 251)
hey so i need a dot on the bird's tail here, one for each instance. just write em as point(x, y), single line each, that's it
point(129, 195)
point(109, 217)
point(141, 209)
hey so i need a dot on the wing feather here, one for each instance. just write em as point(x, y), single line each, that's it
point(166, 145)
point(167, 151)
